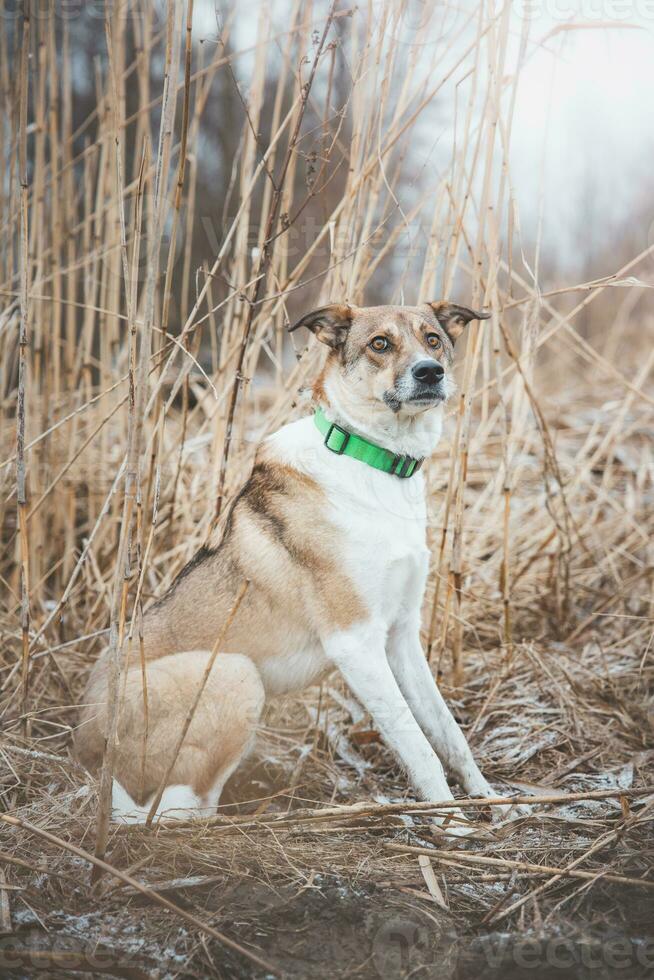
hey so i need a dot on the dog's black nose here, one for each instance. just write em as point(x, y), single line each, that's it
point(429, 372)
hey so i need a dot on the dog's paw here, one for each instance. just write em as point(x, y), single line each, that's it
point(454, 825)
point(509, 811)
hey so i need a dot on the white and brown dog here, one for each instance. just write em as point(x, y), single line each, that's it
point(330, 532)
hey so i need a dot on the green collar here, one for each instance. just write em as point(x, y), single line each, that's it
point(345, 443)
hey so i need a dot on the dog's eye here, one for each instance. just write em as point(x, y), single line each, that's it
point(434, 340)
point(379, 344)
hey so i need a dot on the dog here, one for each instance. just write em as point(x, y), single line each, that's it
point(329, 532)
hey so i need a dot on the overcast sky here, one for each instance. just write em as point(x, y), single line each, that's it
point(597, 83)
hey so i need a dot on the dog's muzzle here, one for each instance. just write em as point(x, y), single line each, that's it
point(427, 378)
point(423, 385)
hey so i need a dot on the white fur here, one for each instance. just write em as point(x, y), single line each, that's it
point(179, 802)
point(295, 670)
point(382, 520)
point(415, 432)
point(176, 803)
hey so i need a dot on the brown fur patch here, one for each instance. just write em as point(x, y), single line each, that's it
point(222, 727)
point(278, 537)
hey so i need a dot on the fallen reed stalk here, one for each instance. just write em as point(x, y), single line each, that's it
point(364, 809)
point(142, 889)
point(482, 860)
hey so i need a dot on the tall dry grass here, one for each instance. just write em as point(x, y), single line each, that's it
point(136, 385)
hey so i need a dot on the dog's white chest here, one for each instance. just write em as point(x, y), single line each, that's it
point(385, 553)
point(379, 521)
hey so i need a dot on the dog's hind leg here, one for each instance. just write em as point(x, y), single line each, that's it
point(219, 736)
point(177, 802)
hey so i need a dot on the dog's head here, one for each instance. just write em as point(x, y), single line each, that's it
point(398, 356)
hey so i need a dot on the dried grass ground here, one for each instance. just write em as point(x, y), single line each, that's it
point(335, 897)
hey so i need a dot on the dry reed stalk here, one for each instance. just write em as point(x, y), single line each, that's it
point(265, 258)
point(136, 410)
point(447, 858)
point(177, 204)
point(23, 340)
point(165, 779)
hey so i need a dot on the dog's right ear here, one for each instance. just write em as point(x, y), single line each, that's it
point(330, 324)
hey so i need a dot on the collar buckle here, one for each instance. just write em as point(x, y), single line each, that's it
point(343, 432)
point(405, 466)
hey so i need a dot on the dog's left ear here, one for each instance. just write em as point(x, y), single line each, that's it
point(330, 323)
point(454, 319)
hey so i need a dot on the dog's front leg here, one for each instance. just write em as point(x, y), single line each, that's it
point(419, 687)
point(360, 656)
